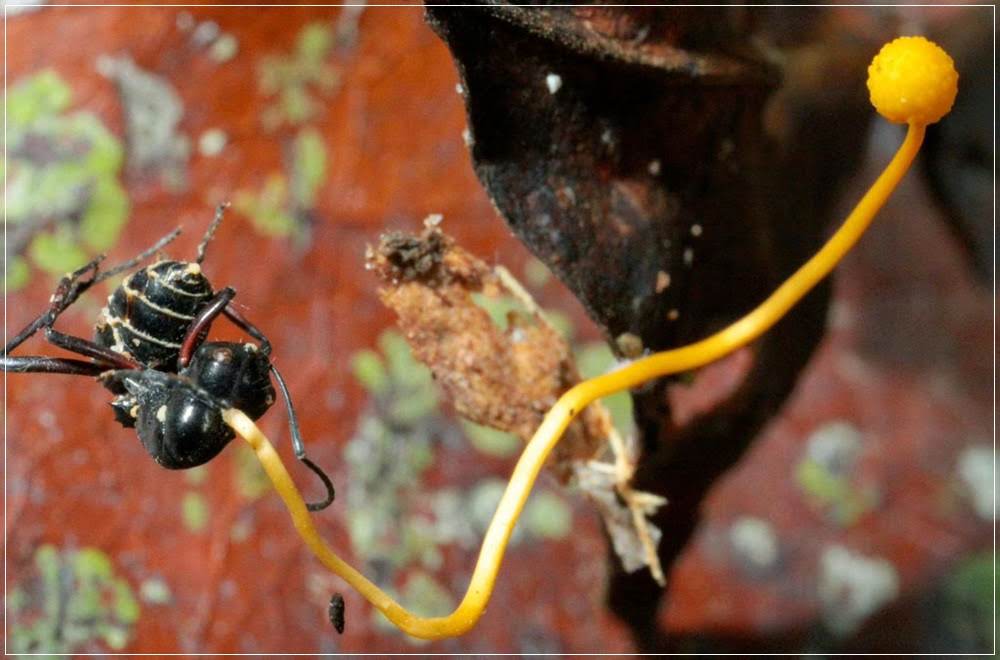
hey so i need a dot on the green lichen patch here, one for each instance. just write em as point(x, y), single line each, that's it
point(501, 307)
point(427, 595)
point(196, 476)
point(65, 201)
point(490, 441)
point(41, 95)
point(251, 480)
point(594, 359)
point(968, 605)
point(369, 370)
point(75, 602)
point(308, 167)
point(194, 512)
point(393, 446)
point(267, 209)
point(423, 594)
point(548, 516)
point(843, 502)
point(300, 80)
point(18, 273)
point(282, 208)
point(826, 474)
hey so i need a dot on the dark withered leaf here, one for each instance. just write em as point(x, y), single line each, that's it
point(336, 613)
point(620, 158)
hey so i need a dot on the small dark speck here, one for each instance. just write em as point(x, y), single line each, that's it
point(336, 613)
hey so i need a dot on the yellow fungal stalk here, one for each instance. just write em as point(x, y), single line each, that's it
point(911, 80)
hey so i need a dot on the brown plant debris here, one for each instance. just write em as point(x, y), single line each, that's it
point(504, 378)
point(507, 378)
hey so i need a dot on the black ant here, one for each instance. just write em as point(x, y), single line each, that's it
point(150, 351)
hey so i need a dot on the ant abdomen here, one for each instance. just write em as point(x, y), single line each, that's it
point(148, 315)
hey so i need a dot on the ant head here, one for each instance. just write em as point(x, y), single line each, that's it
point(237, 374)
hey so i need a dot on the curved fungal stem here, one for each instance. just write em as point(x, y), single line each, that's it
point(569, 405)
point(919, 61)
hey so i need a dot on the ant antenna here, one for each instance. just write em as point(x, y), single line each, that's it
point(135, 261)
point(299, 446)
point(220, 210)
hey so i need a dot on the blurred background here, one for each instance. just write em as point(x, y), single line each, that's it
point(860, 518)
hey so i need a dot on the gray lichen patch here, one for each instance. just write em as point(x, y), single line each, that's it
point(212, 141)
point(835, 446)
point(852, 587)
point(399, 523)
point(975, 470)
point(221, 46)
point(755, 545)
point(224, 48)
point(153, 112)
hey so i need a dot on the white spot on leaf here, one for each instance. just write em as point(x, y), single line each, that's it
point(554, 82)
point(852, 587)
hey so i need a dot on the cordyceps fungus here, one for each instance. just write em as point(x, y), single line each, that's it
point(912, 81)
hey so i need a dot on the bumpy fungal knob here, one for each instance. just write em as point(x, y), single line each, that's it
point(912, 81)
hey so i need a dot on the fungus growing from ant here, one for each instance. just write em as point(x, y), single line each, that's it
point(911, 81)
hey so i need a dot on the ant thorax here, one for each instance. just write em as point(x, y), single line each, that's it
point(148, 315)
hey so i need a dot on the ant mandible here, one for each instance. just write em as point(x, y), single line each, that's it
point(150, 351)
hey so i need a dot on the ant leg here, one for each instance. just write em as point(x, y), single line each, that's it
point(70, 288)
point(293, 420)
point(73, 285)
point(41, 364)
point(241, 321)
point(90, 349)
point(300, 448)
point(199, 326)
point(104, 359)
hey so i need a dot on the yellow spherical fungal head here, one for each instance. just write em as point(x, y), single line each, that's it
point(912, 81)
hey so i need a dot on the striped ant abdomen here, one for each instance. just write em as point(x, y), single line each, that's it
point(148, 316)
